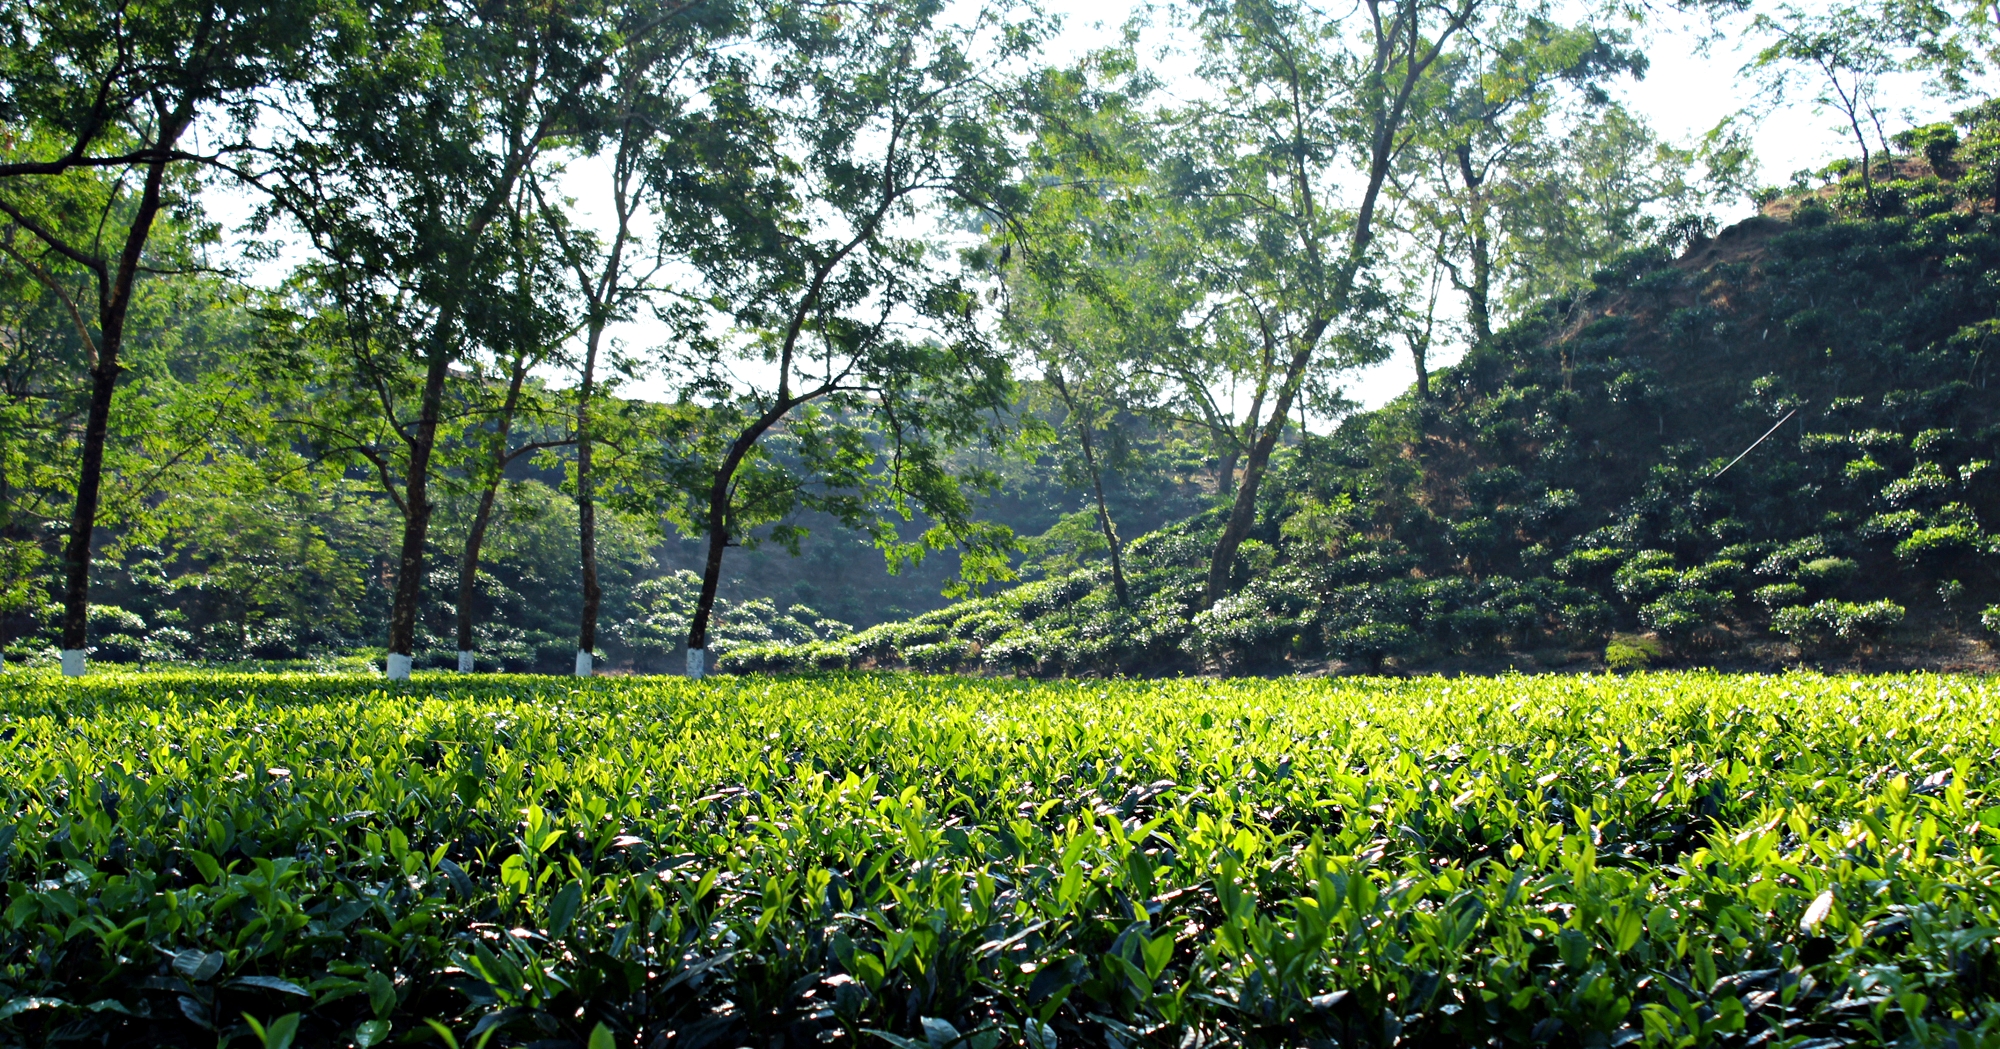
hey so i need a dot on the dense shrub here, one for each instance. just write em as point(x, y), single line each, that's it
point(1243, 627)
point(1825, 573)
point(1371, 643)
point(1780, 595)
point(629, 862)
point(1837, 624)
point(1943, 545)
point(1647, 575)
point(1680, 617)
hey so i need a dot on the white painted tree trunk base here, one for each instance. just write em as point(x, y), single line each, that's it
point(464, 662)
point(72, 662)
point(583, 663)
point(697, 664)
point(399, 667)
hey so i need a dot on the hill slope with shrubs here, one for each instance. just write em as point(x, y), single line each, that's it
point(1571, 491)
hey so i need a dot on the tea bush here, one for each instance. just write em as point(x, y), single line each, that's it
point(1662, 859)
point(1837, 624)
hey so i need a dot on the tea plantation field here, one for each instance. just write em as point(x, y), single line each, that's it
point(896, 861)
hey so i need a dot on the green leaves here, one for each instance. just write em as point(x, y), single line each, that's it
point(940, 1034)
point(198, 967)
point(279, 1034)
point(940, 863)
point(562, 910)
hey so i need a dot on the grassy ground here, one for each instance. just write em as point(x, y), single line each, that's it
point(1663, 859)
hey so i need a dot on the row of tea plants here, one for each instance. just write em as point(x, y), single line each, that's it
point(898, 861)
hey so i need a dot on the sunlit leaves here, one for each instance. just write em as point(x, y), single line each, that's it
point(1663, 857)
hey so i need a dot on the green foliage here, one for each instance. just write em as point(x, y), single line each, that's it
point(1780, 595)
point(1680, 617)
point(1167, 264)
point(1941, 546)
point(1824, 573)
point(1629, 652)
point(950, 862)
point(1837, 624)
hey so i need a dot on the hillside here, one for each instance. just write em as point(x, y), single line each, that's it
point(1565, 498)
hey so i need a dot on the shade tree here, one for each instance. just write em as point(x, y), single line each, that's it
point(400, 165)
point(642, 125)
point(1282, 171)
point(89, 86)
point(852, 359)
point(1495, 103)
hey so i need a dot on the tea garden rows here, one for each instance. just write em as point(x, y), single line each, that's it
point(927, 863)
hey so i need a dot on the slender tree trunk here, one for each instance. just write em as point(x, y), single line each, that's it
point(586, 510)
point(1243, 512)
point(604, 292)
point(711, 569)
point(1479, 293)
point(1083, 428)
point(83, 515)
point(475, 537)
point(417, 510)
point(1226, 474)
point(711, 578)
point(1478, 302)
point(718, 533)
point(718, 541)
point(468, 571)
point(116, 303)
point(1867, 179)
point(1104, 522)
point(1418, 353)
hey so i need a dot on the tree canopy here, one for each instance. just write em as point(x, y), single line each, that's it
point(571, 300)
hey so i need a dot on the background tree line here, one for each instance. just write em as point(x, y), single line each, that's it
point(908, 281)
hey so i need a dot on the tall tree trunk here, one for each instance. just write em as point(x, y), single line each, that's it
point(1243, 512)
point(711, 578)
point(1479, 292)
point(115, 303)
point(83, 515)
point(586, 509)
point(1867, 178)
point(604, 293)
point(1225, 484)
point(1418, 353)
point(475, 537)
point(468, 571)
point(1478, 308)
point(718, 532)
point(417, 509)
point(1083, 428)
point(1104, 522)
